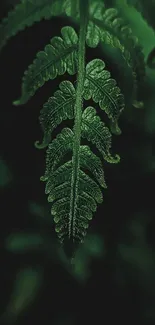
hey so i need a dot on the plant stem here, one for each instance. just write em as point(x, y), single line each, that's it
point(84, 9)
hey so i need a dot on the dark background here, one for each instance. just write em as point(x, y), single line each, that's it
point(120, 288)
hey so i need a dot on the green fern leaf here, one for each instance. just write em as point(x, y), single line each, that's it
point(26, 14)
point(72, 215)
point(58, 180)
point(58, 108)
point(59, 56)
point(103, 90)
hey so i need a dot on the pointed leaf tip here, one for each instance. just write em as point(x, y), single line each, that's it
point(114, 128)
point(113, 160)
point(21, 101)
point(40, 145)
point(16, 102)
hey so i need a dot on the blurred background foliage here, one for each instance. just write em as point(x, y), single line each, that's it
point(113, 273)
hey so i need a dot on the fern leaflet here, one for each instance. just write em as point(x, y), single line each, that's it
point(103, 89)
point(58, 108)
point(58, 57)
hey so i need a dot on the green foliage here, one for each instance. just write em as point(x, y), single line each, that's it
point(26, 14)
point(58, 108)
point(102, 89)
point(77, 160)
point(57, 58)
point(74, 193)
point(105, 26)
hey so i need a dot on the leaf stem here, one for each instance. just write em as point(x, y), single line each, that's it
point(84, 10)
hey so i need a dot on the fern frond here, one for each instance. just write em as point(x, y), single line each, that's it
point(58, 175)
point(26, 14)
point(58, 57)
point(58, 181)
point(58, 108)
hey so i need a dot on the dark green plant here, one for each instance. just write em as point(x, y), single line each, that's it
point(71, 189)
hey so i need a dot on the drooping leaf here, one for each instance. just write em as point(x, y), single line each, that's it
point(59, 177)
point(59, 190)
point(58, 57)
point(72, 211)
